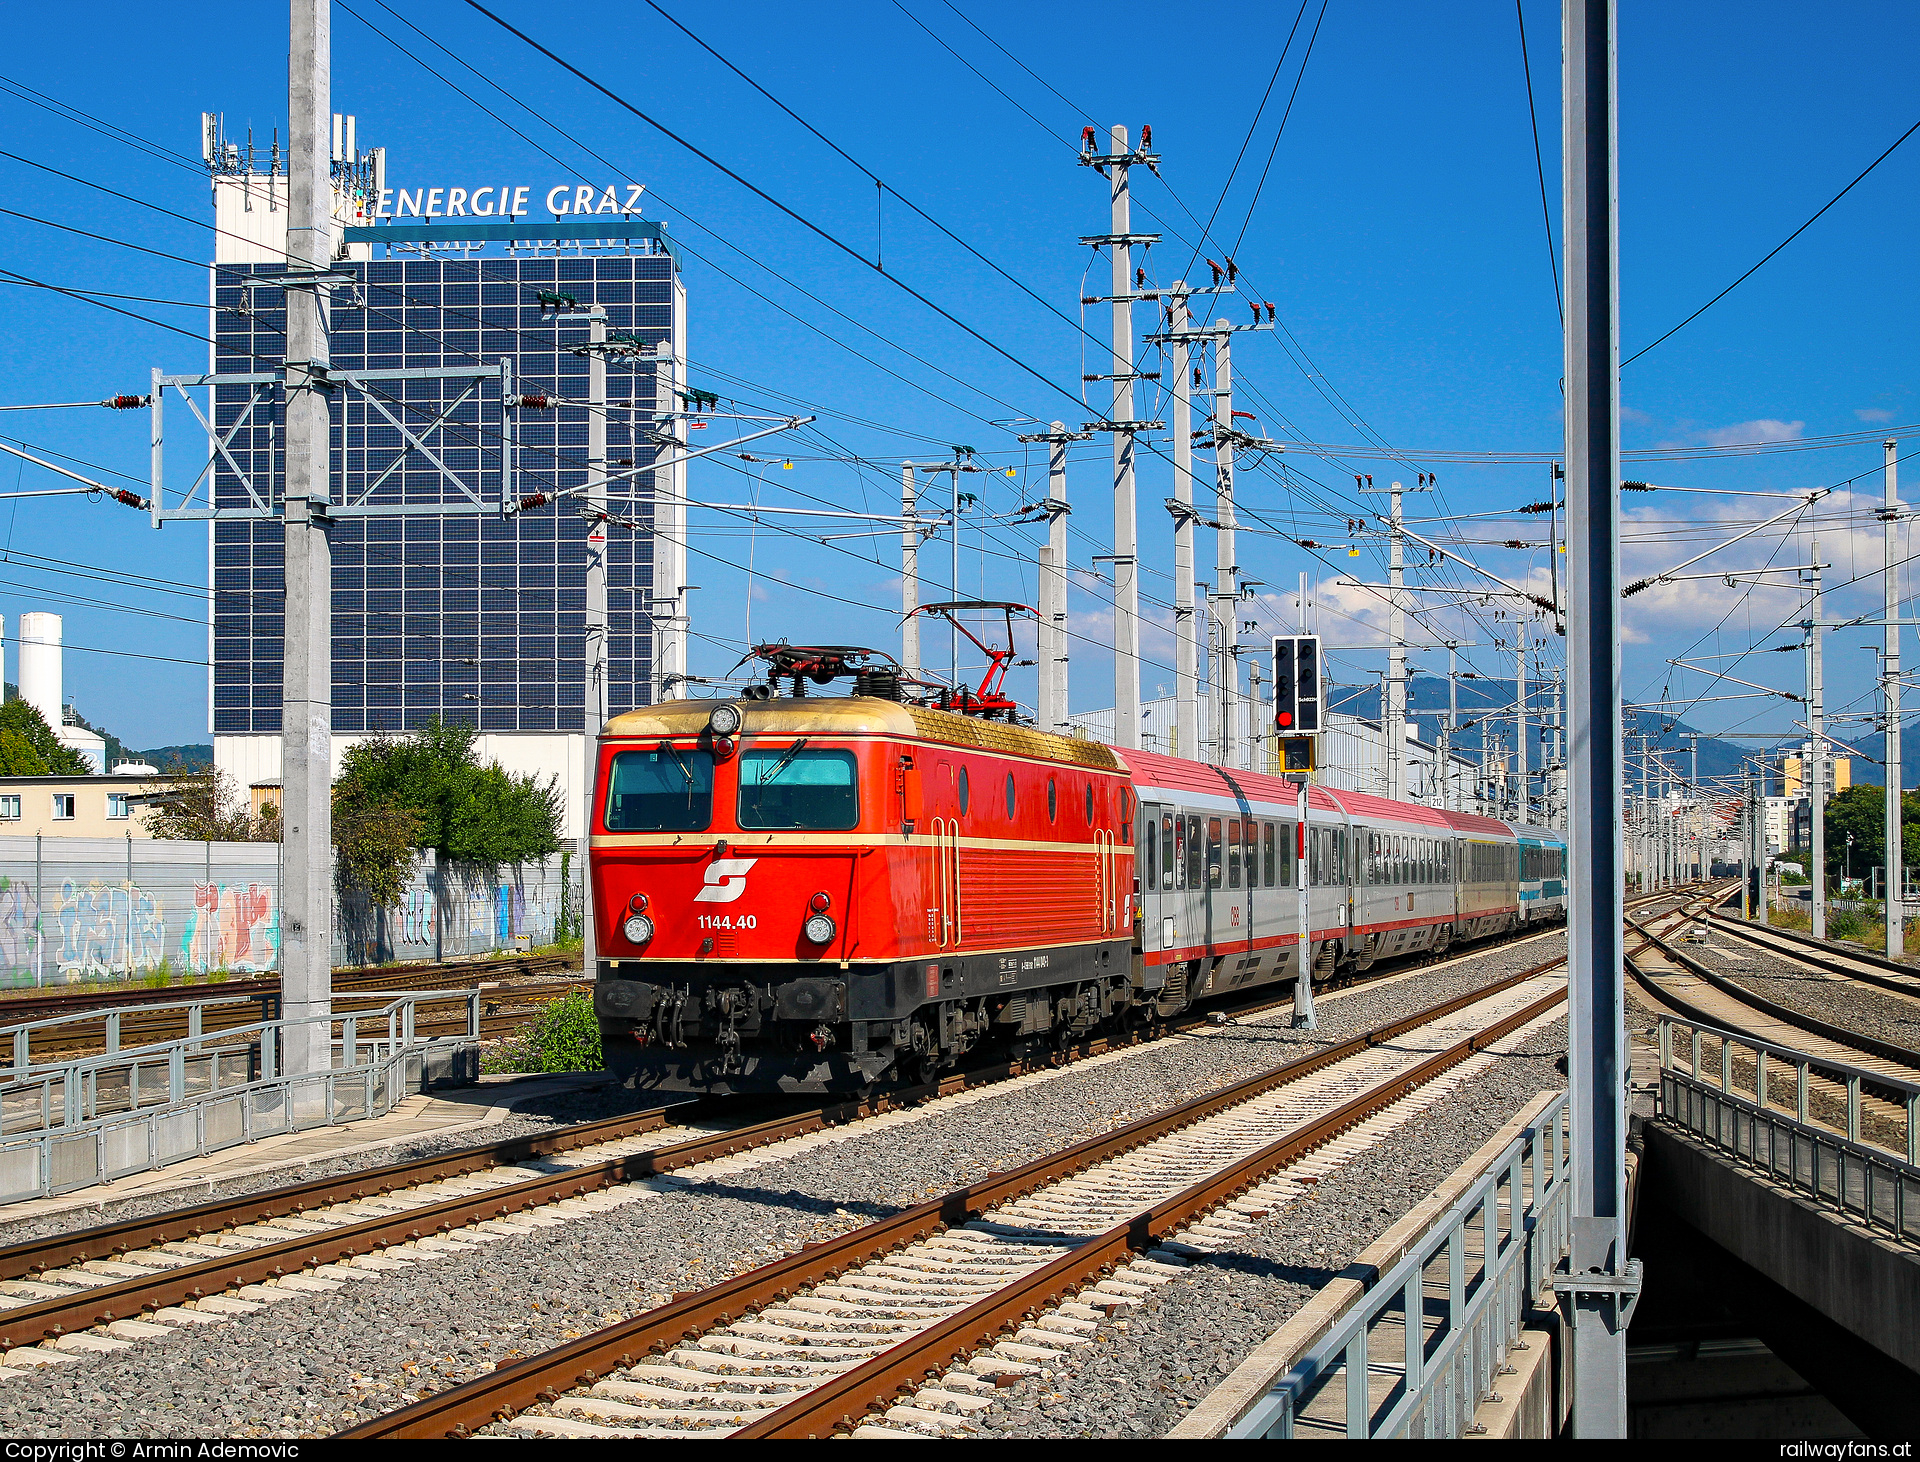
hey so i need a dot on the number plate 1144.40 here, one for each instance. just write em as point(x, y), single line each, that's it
point(727, 921)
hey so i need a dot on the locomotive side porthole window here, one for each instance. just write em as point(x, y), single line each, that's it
point(664, 789)
point(1089, 804)
point(963, 791)
point(1053, 798)
point(1009, 796)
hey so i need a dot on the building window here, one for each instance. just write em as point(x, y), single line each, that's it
point(63, 806)
point(9, 809)
point(116, 805)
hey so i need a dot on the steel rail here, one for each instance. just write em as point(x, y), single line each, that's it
point(510, 1389)
point(1839, 1035)
point(1822, 954)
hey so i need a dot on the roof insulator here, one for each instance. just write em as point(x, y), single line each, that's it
point(534, 403)
point(127, 403)
point(132, 499)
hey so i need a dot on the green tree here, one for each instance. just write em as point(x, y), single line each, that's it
point(206, 806)
point(464, 810)
point(18, 758)
point(1862, 811)
point(21, 718)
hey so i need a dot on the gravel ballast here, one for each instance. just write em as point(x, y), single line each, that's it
point(311, 1364)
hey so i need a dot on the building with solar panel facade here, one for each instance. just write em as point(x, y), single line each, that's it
point(464, 615)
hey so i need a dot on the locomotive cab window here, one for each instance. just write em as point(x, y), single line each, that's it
point(662, 790)
point(797, 788)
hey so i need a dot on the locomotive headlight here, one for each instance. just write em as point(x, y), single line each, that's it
point(725, 719)
point(820, 929)
point(638, 929)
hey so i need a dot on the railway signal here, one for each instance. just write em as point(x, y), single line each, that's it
point(1296, 684)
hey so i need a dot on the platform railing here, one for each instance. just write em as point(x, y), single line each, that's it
point(17, 1039)
point(1419, 1351)
point(97, 1118)
point(1843, 1134)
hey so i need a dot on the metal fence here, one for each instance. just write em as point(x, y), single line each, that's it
point(72, 1124)
point(1845, 1135)
point(118, 908)
point(1416, 1354)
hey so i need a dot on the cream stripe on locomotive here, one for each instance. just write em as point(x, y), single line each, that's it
point(703, 841)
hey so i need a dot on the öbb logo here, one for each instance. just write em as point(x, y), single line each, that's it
point(726, 880)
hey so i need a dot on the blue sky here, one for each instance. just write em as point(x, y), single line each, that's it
point(1398, 232)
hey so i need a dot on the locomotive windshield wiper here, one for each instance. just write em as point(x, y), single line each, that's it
point(680, 761)
point(784, 762)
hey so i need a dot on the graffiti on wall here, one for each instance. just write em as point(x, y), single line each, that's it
point(107, 929)
point(111, 927)
point(232, 926)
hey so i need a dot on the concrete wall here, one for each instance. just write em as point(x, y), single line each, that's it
point(1864, 1281)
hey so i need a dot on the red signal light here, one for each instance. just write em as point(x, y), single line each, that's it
point(1284, 719)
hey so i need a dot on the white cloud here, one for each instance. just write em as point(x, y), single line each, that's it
point(1873, 413)
point(1751, 431)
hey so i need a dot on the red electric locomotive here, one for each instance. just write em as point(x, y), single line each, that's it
point(807, 894)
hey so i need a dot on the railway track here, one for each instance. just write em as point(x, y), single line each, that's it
point(1682, 984)
point(953, 1290)
point(516, 978)
point(264, 994)
point(1861, 966)
point(123, 1282)
point(141, 1279)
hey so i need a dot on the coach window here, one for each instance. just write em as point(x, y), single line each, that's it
point(1216, 872)
point(793, 787)
point(1146, 875)
point(1196, 854)
point(662, 790)
point(963, 791)
point(1233, 852)
point(1271, 865)
point(1167, 856)
point(1053, 799)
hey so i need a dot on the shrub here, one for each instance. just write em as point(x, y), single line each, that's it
point(563, 1037)
point(1845, 925)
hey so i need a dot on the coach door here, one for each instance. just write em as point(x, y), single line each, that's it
point(1153, 864)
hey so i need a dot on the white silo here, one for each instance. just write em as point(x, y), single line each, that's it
point(40, 665)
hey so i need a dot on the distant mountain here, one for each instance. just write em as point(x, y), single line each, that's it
point(196, 758)
point(1483, 701)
